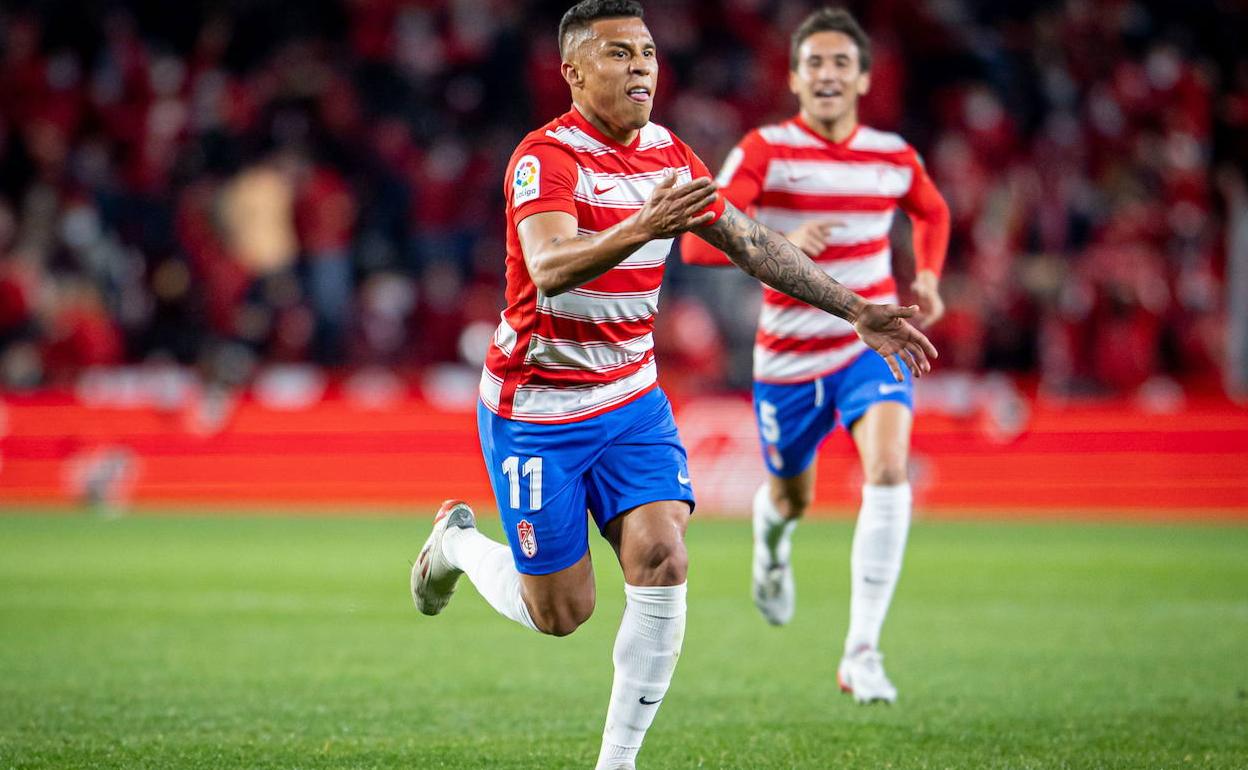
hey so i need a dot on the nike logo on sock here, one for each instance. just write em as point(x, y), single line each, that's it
point(873, 581)
point(642, 700)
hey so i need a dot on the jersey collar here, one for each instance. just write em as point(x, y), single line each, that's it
point(583, 123)
point(801, 123)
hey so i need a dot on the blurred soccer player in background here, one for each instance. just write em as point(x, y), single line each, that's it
point(571, 419)
point(832, 186)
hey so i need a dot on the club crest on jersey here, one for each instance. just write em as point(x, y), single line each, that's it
point(527, 182)
point(528, 539)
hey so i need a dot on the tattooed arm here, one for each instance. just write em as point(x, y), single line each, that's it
point(770, 258)
point(767, 256)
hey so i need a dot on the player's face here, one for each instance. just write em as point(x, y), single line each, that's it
point(829, 78)
point(614, 72)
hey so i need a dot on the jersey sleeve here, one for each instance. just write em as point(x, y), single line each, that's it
point(740, 183)
point(929, 215)
point(541, 177)
point(698, 170)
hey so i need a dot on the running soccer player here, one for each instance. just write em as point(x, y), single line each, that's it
point(570, 418)
point(832, 186)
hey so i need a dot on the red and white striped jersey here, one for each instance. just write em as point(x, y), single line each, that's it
point(588, 350)
point(785, 175)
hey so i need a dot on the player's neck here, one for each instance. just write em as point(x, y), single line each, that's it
point(835, 131)
point(622, 136)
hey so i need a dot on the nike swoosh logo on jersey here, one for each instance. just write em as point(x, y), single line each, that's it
point(600, 190)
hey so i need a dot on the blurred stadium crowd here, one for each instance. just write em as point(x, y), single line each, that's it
point(230, 184)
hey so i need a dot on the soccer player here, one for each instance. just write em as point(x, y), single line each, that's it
point(832, 186)
point(570, 418)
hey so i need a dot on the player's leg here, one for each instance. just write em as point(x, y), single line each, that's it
point(879, 414)
point(650, 544)
point(792, 420)
point(556, 603)
point(778, 504)
point(641, 496)
point(544, 581)
point(883, 439)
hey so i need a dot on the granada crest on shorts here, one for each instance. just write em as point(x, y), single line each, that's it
point(777, 460)
point(528, 538)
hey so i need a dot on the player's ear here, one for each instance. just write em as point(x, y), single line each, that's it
point(571, 74)
point(795, 85)
point(864, 83)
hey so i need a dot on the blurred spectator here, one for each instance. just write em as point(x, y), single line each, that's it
point(233, 185)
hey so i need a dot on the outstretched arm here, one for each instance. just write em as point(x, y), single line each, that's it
point(558, 259)
point(767, 256)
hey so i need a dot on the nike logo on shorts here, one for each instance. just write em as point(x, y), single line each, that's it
point(886, 388)
point(682, 479)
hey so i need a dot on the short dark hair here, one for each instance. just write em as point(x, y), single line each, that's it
point(832, 20)
point(581, 15)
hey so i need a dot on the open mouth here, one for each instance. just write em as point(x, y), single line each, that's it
point(827, 92)
point(639, 94)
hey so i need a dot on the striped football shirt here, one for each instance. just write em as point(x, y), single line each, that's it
point(785, 175)
point(590, 349)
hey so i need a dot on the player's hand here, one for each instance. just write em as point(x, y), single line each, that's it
point(926, 288)
point(885, 329)
point(813, 236)
point(673, 209)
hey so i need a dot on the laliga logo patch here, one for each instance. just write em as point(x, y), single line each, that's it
point(527, 182)
point(528, 540)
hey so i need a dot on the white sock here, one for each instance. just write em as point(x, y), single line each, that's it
point(646, 649)
point(488, 564)
point(875, 563)
point(773, 534)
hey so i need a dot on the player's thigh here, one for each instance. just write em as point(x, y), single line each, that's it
point(643, 462)
point(793, 420)
point(877, 410)
point(537, 475)
point(882, 436)
point(562, 600)
point(640, 493)
point(649, 542)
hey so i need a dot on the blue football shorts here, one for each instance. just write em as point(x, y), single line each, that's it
point(546, 478)
point(794, 418)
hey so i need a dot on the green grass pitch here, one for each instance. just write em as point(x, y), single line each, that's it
point(155, 642)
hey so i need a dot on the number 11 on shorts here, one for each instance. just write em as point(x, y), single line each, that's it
point(532, 468)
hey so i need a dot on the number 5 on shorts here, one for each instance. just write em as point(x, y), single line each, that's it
point(533, 469)
point(767, 420)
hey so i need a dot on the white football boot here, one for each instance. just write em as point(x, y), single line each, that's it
point(433, 577)
point(861, 674)
point(772, 585)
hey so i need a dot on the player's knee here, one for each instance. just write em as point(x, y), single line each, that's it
point(889, 469)
point(664, 563)
point(565, 616)
point(792, 503)
point(563, 624)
